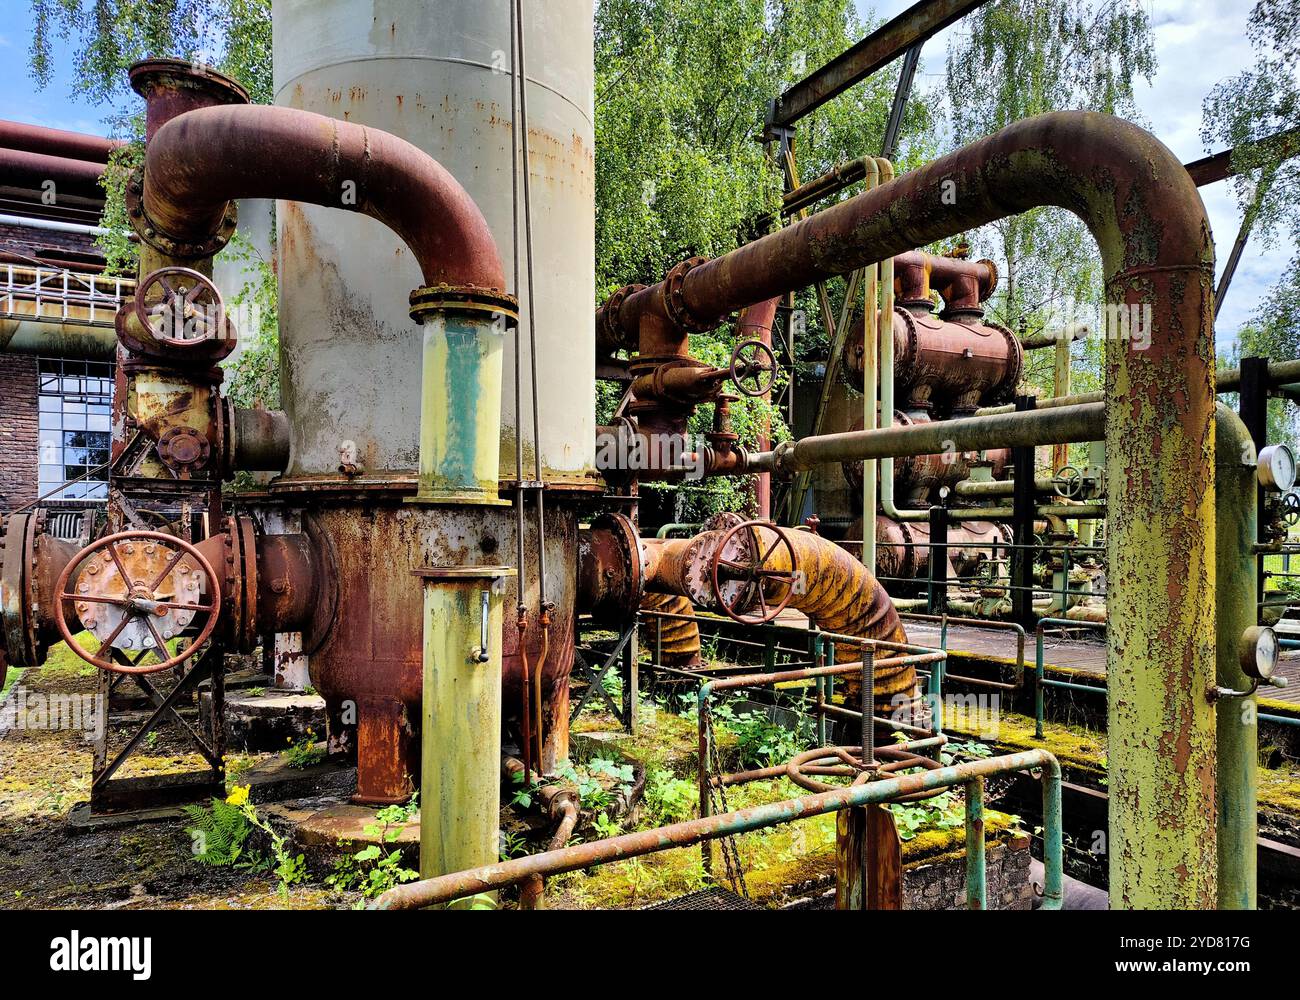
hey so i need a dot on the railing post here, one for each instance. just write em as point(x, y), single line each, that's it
point(975, 884)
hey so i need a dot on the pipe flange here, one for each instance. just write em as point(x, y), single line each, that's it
point(1015, 364)
point(986, 291)
point(239, 581)
point(612, 569)
point(184, 450)
point(151, 233)
point(906, 359)
point(432, 299)
point(611, 330)
point(15, 557)
point(675, 300)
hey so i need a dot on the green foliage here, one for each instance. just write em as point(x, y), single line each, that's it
point(668, 798)
point(120, 253)
point(1244, 112)
point(375, 869)
point(305, 752)
point(943, 812)
point(218, 833)
point(234, 36)
point(597, 781)
point(760, 742)
point(1019, 58)
point(253, 376)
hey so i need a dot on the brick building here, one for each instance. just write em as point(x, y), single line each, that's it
point(56, 319)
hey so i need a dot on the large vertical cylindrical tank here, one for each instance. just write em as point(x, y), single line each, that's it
point(440, 77)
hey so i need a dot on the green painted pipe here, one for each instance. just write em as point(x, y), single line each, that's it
point(460, 406)
point(1236, 736)
point(460, 757)
point(490, 877)
point(1039, 682)
point(667, 529)
point(976, 886)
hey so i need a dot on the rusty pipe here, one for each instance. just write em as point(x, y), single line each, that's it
point(200, 161)
point(561, 808)
point(1157, 253)
point(59, 175)
point(755, 323)
point(56, 142)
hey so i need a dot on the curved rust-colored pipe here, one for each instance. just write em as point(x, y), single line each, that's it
point(1143, 209)
point(200, 161)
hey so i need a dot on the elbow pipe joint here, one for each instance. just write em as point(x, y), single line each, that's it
point(182, 203)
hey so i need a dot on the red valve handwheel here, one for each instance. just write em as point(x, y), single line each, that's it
point(752, 571)
point(140, 584)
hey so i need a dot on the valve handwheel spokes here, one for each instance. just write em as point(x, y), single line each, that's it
point(751, 570)
point(175, 301)
point(1068, 481)
point(134, 592)
point(753, 368)
point(1290, 507)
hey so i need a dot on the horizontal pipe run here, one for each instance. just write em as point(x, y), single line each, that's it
point(445, 888)
point(57, 142)
point(1061, 425)
point(1280, 374)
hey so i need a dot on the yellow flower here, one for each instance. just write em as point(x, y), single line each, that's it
point(238, 796)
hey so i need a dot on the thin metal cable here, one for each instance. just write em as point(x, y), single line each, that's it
point(522, 139)
point(514, 232)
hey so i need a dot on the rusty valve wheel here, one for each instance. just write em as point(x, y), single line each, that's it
point(739, 564)
point(134, 591)
point(753, 368)
point(180, 307)
point(846, 765)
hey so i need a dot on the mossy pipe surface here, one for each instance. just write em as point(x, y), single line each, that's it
point(1237, 727)
point(1157, 254)
point(430, 892)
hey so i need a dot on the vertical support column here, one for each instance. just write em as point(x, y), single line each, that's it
point(975, 884)
point(630, 671)
point(1236, 719)
point(938, 561)
point(1022, 559)
point(1061, 387)
point(1253, 406)
point(460, 777)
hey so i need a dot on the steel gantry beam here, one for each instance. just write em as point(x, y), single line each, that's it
point(881, 47)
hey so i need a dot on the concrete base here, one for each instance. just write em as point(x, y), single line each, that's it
point(276, 781)
point(326, 830)
point(269, 720)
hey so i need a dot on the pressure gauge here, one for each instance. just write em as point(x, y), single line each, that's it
point(1259, 652)
point(1276, 468)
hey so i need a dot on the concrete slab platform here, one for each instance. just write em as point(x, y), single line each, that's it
point(267, 720)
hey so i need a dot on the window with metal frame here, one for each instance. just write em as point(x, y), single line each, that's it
point(75, 400)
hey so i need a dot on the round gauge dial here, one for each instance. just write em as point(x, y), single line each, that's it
point(1277, 467)
point(1259, 652)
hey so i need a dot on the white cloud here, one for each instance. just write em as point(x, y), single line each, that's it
point(1198, 43)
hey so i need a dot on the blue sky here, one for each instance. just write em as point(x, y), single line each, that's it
point(1198, 43)
point(1185, 30)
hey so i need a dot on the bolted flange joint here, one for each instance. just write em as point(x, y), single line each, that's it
point(153, 234)
point(675, 300)
point(433, 299)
